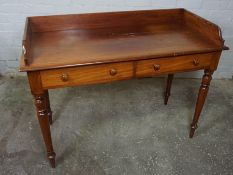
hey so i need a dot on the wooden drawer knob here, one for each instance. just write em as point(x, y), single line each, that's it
point(195, 62)
point(64, 77)
point(156, 67)
point(113, 72)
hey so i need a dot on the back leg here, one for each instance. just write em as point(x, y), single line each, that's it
point(49, 111)
point(168, 88)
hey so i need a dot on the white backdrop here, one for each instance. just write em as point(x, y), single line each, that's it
point(13, 13)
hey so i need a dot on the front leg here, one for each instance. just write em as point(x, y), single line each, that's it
point(201, 100)
point(43, 117)
point(41, 104)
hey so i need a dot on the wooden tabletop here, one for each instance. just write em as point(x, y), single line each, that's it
point(113, 43)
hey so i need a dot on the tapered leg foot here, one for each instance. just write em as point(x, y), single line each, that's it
point(51, 158)
point(168, 88)
point(192, 130)
point(166, 99)
point(203, 91)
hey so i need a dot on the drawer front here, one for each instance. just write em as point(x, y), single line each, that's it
point(173, 64)
point(86, 75)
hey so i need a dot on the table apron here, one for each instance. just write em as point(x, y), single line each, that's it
point(103, 73)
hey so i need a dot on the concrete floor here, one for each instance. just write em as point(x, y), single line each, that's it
point(119, 128)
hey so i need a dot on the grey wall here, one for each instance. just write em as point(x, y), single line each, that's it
point(13, 13)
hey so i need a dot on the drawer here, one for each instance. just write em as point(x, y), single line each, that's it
point(173, 64)
point(86, 74)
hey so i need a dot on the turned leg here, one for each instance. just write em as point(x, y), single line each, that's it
point(42, 114)
point(168, 88)
point(201, 100)
point(49, 111)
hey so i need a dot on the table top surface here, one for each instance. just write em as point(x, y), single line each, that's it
point(52, 49)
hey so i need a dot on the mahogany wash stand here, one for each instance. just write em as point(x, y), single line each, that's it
point(73, 50)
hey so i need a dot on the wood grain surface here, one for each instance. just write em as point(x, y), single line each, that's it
point(74, 40)
point(86, 75)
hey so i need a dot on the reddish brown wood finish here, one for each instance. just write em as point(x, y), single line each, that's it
point(175, 64)
point(73, 50)
point(201, 99)
point(86, 75)
point(74, 40)
point(41, 103)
